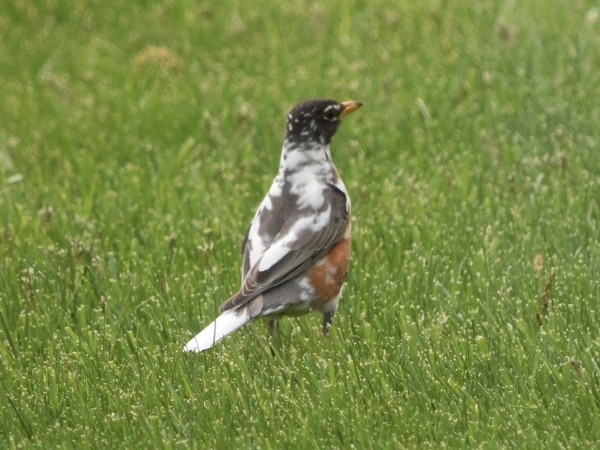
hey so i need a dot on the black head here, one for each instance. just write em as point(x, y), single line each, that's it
point(317, 120)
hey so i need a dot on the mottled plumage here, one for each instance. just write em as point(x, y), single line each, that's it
point(297, 248)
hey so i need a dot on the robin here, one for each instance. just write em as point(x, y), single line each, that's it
point(297, 248)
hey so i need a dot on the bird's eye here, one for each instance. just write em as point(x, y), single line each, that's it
point(331, 113)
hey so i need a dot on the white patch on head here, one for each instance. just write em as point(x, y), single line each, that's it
point(337, 110)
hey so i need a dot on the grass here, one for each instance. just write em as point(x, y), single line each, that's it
point(136, 139)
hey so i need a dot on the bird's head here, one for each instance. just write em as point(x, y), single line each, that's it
point(317, 120)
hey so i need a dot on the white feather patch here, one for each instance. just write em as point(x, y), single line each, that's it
point(256, 243)
point(272, 256)
point(281, 247)
point(223, 326)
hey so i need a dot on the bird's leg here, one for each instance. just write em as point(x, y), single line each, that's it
point(274, 331)
point(272, 324)
point(327, 321)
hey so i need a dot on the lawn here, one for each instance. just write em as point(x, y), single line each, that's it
point(137, 139)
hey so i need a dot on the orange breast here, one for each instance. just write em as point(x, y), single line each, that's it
point(329, 274)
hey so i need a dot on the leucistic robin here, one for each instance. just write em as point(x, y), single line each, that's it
point(297, 249)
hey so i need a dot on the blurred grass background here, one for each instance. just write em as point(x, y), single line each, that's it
point(136, 140)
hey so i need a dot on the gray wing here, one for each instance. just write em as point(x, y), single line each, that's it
point(305, 237)
point(269, 225)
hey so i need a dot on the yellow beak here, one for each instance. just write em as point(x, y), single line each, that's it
point(349, 106)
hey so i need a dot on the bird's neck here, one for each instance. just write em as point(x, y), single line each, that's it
point(308, 157)
point(304, 173)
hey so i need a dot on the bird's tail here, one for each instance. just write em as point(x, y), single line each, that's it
point(223, 326)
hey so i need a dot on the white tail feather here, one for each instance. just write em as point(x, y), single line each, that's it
point(223, 326)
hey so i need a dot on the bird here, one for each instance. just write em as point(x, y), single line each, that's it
point(296, 251)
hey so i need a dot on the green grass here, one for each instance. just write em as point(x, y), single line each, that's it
point(136, 139)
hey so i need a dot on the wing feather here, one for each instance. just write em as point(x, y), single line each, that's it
point(304, 239)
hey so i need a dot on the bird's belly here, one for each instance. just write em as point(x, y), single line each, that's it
point(314, 290)
point(329, 274)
